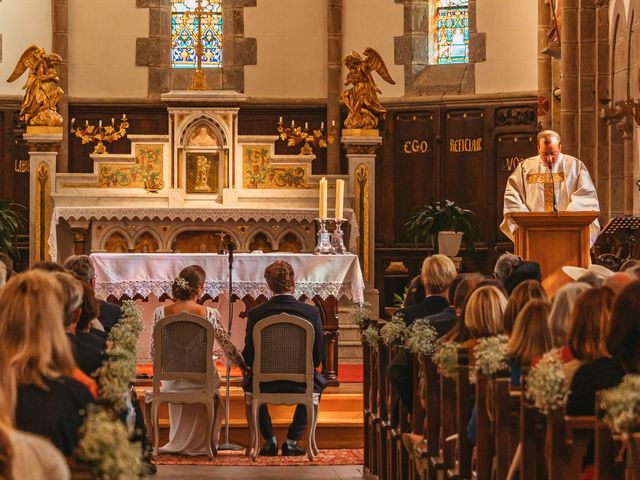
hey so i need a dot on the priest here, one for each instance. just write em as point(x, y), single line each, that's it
point(549, 182)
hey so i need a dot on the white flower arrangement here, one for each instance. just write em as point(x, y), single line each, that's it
point(421, 337)
point(181, 282)
point(370, 336)
point(622, 405)
point(361, 314)
point(490, 355)
point(394, 331)
point(446, 359)
point(105, 445)
point(546, 384)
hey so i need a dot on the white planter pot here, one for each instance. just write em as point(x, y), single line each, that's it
point(449, 243)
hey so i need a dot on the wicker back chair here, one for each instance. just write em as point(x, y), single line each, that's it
point(284, 351)
point(183, 351)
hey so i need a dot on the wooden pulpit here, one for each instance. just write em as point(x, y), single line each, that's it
point(554, 240)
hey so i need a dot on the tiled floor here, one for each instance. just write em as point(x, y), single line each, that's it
point(190, 472)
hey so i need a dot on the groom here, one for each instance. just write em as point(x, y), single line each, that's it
point(280, 279)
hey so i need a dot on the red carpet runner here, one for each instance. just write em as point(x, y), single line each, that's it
point(346, 456)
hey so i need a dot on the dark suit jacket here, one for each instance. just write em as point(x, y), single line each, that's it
point(429, 306)
point(276, 305)
point(93, 339)
point(443, 321)
point(109, 314)
point(87, 357)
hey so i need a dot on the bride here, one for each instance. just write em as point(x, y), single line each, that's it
point(187, 435)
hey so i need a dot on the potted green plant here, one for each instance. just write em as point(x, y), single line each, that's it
point(10, 221)
point(445, 224)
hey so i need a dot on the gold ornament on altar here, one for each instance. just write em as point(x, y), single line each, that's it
point(199, 79)
point(315, 138)
point(362, 98)
point(42, 91)
point(91, 133)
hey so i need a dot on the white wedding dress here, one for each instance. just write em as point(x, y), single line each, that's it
point(188, 434)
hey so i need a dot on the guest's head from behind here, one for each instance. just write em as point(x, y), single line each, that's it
point(189, 284)
point(484, 311)
point(47, 266)
point(31, 328)
point(72, 299)
point(531, 336)
point(493, 282)
point(561, 310)
point(624, 329)
point(589, 326)
point(82, 267)
point(635, 271)
point(280, 277)
point(438, 272)
point(89, 308)
point(522, 273)
point(415, 292)
point(460, 333)
point(520, 296)
point(7, 261)
point(506, 264)
point(618, 281)
point(592, 279)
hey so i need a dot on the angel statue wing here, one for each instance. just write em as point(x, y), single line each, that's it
point(28, 60)
point(374, 61)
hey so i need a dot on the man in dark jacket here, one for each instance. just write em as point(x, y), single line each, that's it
point(280, 278)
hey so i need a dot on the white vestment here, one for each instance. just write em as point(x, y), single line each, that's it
point(526, 187)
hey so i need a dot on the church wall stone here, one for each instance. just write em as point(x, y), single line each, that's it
point(22, 23)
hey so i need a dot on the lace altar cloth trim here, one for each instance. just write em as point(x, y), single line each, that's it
point(131, 274)
point(233, 214)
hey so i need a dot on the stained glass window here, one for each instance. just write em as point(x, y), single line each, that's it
point(450, 32)
point(188, 23)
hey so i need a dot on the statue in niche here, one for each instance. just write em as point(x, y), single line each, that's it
point(202, 138)
point(203, 167)
point(362, 98)
point(42, 91)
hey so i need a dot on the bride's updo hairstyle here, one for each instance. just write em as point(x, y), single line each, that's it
point(187, 282)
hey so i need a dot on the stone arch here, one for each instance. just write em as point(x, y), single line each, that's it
point(282, 240)
point(190, 125)
point(255, 232)
point(145, 237)
point(111, 238)
point(207, 236)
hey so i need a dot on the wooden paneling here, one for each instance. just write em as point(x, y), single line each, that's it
point(143, 119)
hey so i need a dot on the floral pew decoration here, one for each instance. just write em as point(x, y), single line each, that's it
point(490, 355)
point(546, 384)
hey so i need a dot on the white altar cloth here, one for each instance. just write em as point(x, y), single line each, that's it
point(147, 274)
point(185, 214)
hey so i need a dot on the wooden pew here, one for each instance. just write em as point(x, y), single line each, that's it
point(506, 422)
point(370, 389)
point(484, 442)
point(445, 460)
point(607, 447)
point(432, 420)
point(532, 438)
point(464, 404)
point(383, 422)
point(397, 464)
point(567, 440)
point(366, 404)
point(417, 417)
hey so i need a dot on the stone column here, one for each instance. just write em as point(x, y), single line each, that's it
point(587, 100)
point(569, 117)
point(60, 45)
point(334, 80)
point(545, 98)
point(42, 173)
point(603, 160)
point(361, 154)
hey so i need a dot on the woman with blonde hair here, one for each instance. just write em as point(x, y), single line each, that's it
point(525, 291)
point(23, 455)
point(484, 311)
point(530, 338)
point(49, 401)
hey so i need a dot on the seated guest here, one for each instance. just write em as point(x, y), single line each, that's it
point(520, 296)
point(623, 354)
point(505, 265)
point(81, 267)
point(280, 279)
point(483, 314)
point(438, 272)
point(23, 455)
point(87, 357)
point(49, 402)
point(444, 321)
point(47, 267)
point(89, 311)
point(561, 310)
point(530, 339)
point(459, 332)
point(512, 271)
point(588, 329)
point(187, 432)
point(415, 292)
point(618, 281)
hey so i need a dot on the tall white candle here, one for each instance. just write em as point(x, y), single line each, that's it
point(339, 199)
point(323, 199)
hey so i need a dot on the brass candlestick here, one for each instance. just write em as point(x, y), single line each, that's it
point(91, 133)
point(309, 138)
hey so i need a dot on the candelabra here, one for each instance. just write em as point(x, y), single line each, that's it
point(336, 237)
point(91, 133)
point(324, 246)
point(309, 138)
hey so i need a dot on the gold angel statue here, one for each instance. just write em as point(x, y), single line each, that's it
point(42, 91)
point(362, 98)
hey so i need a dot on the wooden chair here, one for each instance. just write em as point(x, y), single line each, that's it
point(284, 351)
point(183, 351)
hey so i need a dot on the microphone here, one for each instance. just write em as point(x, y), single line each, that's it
point(231, 247)
point(555, 202)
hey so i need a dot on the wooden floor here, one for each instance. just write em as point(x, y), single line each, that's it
point(340, 424)
point(167, 472)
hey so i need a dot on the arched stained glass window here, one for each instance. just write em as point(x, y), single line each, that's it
point(190, 20)
point(450, 32)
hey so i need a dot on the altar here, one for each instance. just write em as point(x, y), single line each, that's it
point(321, 279)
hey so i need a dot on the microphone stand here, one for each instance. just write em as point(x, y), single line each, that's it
point(227, 445)
point(555, 202)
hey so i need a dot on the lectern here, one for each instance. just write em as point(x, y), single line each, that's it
point(554, 240)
